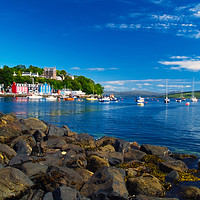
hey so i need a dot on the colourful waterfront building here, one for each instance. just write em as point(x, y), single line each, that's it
point(19, 88)
point(45, 88)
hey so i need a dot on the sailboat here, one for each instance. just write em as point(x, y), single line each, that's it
point(193, 99)
point(167, 100)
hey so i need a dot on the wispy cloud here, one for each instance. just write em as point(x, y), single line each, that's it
point(75, 68)
point(101, 69)
point(171, 18)
point(184, 63)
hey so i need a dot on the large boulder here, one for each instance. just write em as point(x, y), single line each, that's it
point(106, 183)
point(32, 169)
point(22, 147)
point(35, 124)
point(17, 160)
point(33, 195)
point(73, 160)
point(86, 140)
point(146, 184)
point(189, 193)
point(54, 143)
point(54, 130)
point(8, 118)
point(154, 150)
point(113, 158)
point(121, 145)
point(177, 165)
point(13, 182)
point(133, 154)
point(143, 197)
point(64, 193)
point(7, 133)
point(95, 163)
point(105, 140)
point(107, 148)
point(7, 150)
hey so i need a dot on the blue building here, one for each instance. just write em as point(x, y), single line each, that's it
point(45, 88)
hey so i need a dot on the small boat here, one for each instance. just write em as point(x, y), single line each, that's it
point(166, 100)
point(34, 96)
point(193, 99)
point(104, 100)
point(51, 98)
point(139, 99)
point(68, 99)
point(114, 99)
point(92, 98)
point(178, 100)
point(140, 104)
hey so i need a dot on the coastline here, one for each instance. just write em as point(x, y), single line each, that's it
point(49, 161)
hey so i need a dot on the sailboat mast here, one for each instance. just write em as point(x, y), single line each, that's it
point(193, 89)
point(166, 90)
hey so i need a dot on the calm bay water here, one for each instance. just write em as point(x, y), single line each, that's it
point(174, 125)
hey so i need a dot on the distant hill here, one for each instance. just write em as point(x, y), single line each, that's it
point(133, 93)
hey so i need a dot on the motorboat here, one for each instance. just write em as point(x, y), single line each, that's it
point(114, 99)
point(140, 104)
point(139, 99)
point(68, 99)
point(51, 98)
point(35, 96)
point(92, 98)
point(178, 100)
point(193, 99)
point(104, 100)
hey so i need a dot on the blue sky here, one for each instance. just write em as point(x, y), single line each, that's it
point(122, 44)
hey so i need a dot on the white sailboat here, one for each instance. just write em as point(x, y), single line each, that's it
point(167, 100)
point(193, 99)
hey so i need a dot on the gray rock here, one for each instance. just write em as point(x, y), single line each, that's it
point(73, 147)
point(121, 145)
point(38, 136)
point(95, 163)
point(54, 143)
point(143, 197)
point(177, 165)
point(13, 182)
point(146, 184)
point(32, 169)
point(8, 132)
point(33, 195)
point(189, 193)
point(106, 183)
point(107, 148)
point(54, 130)
point(85, 173)
point(35, 124)
point(105, 140)
point(48, 196)
point(18, 160)
point(113, 158)
point(74, 160)
point(172, 176)
point(86, 140)
point(67, 193)
point(133, 154)
point(22, 147)
point(7, 150)
point(154, 150)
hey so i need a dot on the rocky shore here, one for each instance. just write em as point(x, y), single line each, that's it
point(41, 161)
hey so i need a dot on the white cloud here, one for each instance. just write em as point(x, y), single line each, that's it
point(96, 69)
point(145, 84)
point(76, 68)
point(190, 65)
point(166, 17)
point(114, 88)
point(179, 57)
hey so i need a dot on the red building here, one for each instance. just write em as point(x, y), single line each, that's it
point(19, 88)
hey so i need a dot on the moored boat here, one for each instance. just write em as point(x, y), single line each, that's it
point(92, 98)
point(104, 100)
point(34, 96)
point(68, 99)
point(139, 99)
point(51, 98)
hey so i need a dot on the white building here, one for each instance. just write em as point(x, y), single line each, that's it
point(30, 74)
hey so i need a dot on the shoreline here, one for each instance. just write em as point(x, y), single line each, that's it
point(49, 161)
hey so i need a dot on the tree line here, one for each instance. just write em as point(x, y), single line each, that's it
point(79, 83)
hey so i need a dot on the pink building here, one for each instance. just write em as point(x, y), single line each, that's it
point(19, 88)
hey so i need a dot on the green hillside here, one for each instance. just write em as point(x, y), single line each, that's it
point(186, 95)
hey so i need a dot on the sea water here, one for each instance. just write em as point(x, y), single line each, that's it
point(174, 125)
